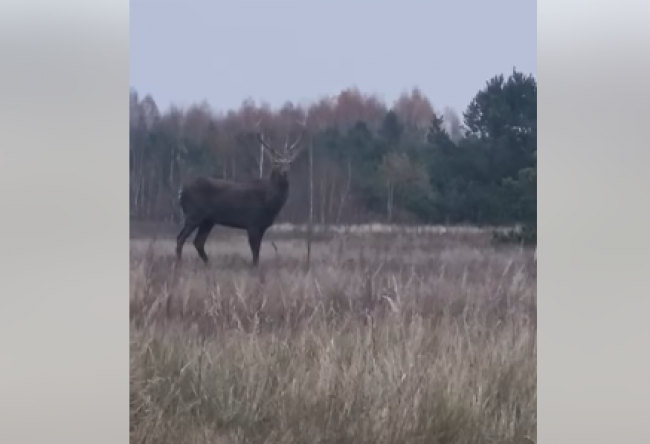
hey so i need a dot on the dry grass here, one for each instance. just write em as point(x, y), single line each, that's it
point(388, 339)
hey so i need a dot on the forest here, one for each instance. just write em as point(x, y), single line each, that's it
point(405, 163)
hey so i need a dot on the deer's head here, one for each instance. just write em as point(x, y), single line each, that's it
point(281, 159)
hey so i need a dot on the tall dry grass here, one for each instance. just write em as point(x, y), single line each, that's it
point(387, 339)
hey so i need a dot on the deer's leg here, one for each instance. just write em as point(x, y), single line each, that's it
point(201, 238)
point(187, 230)
point(255, 240)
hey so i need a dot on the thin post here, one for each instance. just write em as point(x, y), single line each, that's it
point(311, 201)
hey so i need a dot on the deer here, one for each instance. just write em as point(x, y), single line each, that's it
point(252, 206)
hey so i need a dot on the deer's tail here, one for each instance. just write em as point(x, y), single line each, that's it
point(182, 197)
point(180, 202)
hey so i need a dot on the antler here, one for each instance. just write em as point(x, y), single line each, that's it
point(292, 149)
point(260, 138)
point(290, 152)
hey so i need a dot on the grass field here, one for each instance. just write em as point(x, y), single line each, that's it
point(388, 338)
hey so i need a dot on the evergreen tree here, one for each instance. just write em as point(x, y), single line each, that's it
point(485, 174)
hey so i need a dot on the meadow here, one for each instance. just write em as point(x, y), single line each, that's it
point(388, 337)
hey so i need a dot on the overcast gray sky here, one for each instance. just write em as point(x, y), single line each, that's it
point(187, 51)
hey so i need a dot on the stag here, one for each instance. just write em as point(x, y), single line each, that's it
point(252, 206)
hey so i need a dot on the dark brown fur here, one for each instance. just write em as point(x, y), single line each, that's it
point(252, 206)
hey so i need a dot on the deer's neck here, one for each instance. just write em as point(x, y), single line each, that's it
point(278, 193)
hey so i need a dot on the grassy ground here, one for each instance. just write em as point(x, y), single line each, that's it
point(388, 339)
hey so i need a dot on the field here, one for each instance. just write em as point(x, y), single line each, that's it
point(387, 338)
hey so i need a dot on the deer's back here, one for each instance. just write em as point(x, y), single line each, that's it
point(236, 204)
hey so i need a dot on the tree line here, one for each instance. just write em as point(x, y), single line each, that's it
point(407, 163)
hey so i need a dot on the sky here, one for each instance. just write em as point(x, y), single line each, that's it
point(187, 51)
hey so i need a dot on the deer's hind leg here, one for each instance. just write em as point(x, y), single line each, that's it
point(186, 231)
point(201, 238)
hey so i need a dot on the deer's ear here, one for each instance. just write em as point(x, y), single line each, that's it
point(293, 155)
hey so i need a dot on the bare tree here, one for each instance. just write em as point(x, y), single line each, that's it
point(251, 206)
point(415, 112)
point(452, 124)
